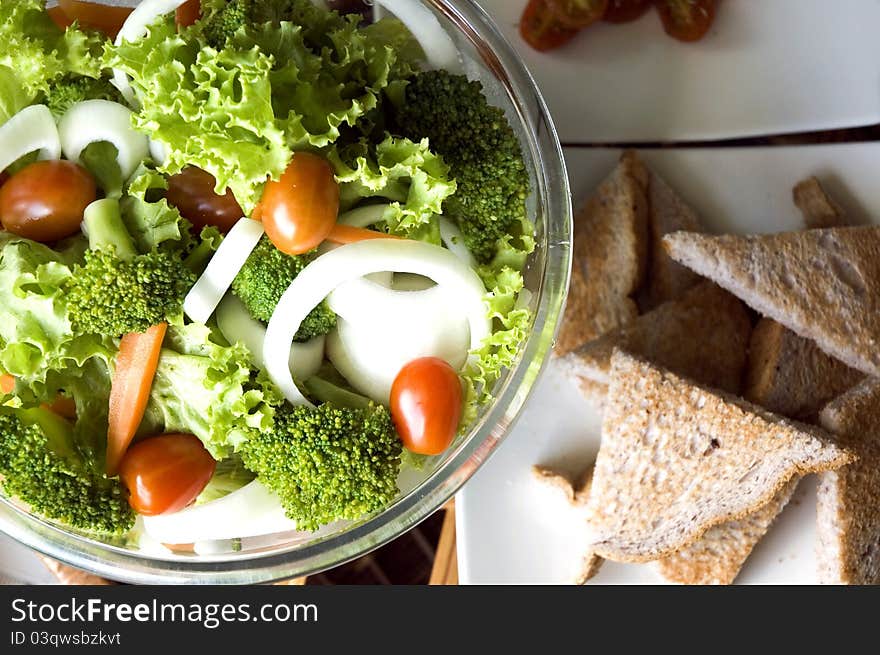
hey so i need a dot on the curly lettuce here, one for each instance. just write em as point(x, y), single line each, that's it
point(407, 173)
point(36, 336)
point(238, 106)
point(208, 389)
point(39, 52)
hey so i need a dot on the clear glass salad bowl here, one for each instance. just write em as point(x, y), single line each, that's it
point(491, 59)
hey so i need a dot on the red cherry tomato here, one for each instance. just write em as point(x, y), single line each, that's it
point(192, 192)
point(188, 13)
point(426, 407)
point(540, 28)
point(99, 16)
point(299, 210)
point(686, 20)
point(577, 14)
point(624, 11)
point(164, 474)
point(45, 200)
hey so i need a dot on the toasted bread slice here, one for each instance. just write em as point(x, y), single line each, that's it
point(818, 208)
point(703, 336)
point(667, 213)
point(822, 284)
point(610, 256)
point(677, 459)
point(717, 557)
point(849, 507)
point(789, 375)
point(576, 494)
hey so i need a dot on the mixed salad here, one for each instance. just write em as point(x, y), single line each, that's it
point(256, 257)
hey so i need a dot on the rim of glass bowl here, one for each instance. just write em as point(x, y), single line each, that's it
point(554, 215)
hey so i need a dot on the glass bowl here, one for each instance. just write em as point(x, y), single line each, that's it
point(491, 59)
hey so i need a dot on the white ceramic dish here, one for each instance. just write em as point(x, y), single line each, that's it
point(764, 68)
point(513, 530)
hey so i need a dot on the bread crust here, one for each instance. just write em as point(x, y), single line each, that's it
point(817, 208)
point(667, 213)
point(609, 257)
point(790, 375)
point(823, 285)
point(848, 517)
point(678, 459)
point(704, 336)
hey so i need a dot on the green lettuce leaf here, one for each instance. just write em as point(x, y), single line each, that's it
point(39, 52)
point(13, 97)
point(148, 217)
point(238, 106)
point(407, 173)
point(207, 388)
point(511, 322)
point(37, 342)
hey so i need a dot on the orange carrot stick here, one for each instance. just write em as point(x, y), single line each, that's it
point(130, 390)
point(7, 383)
point(349, 234)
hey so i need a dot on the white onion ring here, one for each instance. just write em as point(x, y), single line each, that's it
point(317, 280)
point(102, 120)
point(134, 28)
point(208, 291)
point(31, 129)
point(363, 216)
point(421, 21)
point(250, 511)
point(237, 325)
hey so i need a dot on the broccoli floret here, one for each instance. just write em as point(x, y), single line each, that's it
point(484, 155)
point(40, 465)
point(263, 280)
point(76, 88)
point(116, 290)
point(328, 463)
point(222, 22)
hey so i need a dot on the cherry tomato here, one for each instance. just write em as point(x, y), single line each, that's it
point(45, 200)
point(107, 18)
point(577, 14)
point(192, 192)
point(299, 210)
point(426, 402)
point(540, 28)
point(164, 474)
point(686, 20)
point(188, 13)
point(58, 17)
point(624, 11)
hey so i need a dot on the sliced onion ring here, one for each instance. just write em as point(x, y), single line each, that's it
point(208, 291)
point(102, 120)
point(237, 325)
point(250, 511)
point(134, 28)
point(421, 21)
point(31, 129)
point(354, 260)
point(364, 216)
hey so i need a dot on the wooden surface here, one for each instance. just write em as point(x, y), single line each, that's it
point(445, 571)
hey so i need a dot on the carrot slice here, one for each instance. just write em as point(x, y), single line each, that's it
point(107, 18)
point(130, 390)
point(7, 383)
point(349, 234)
point(58, 17)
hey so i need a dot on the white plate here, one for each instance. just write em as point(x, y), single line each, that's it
point(512, 530)
point(20, 565)
point(767, 66)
